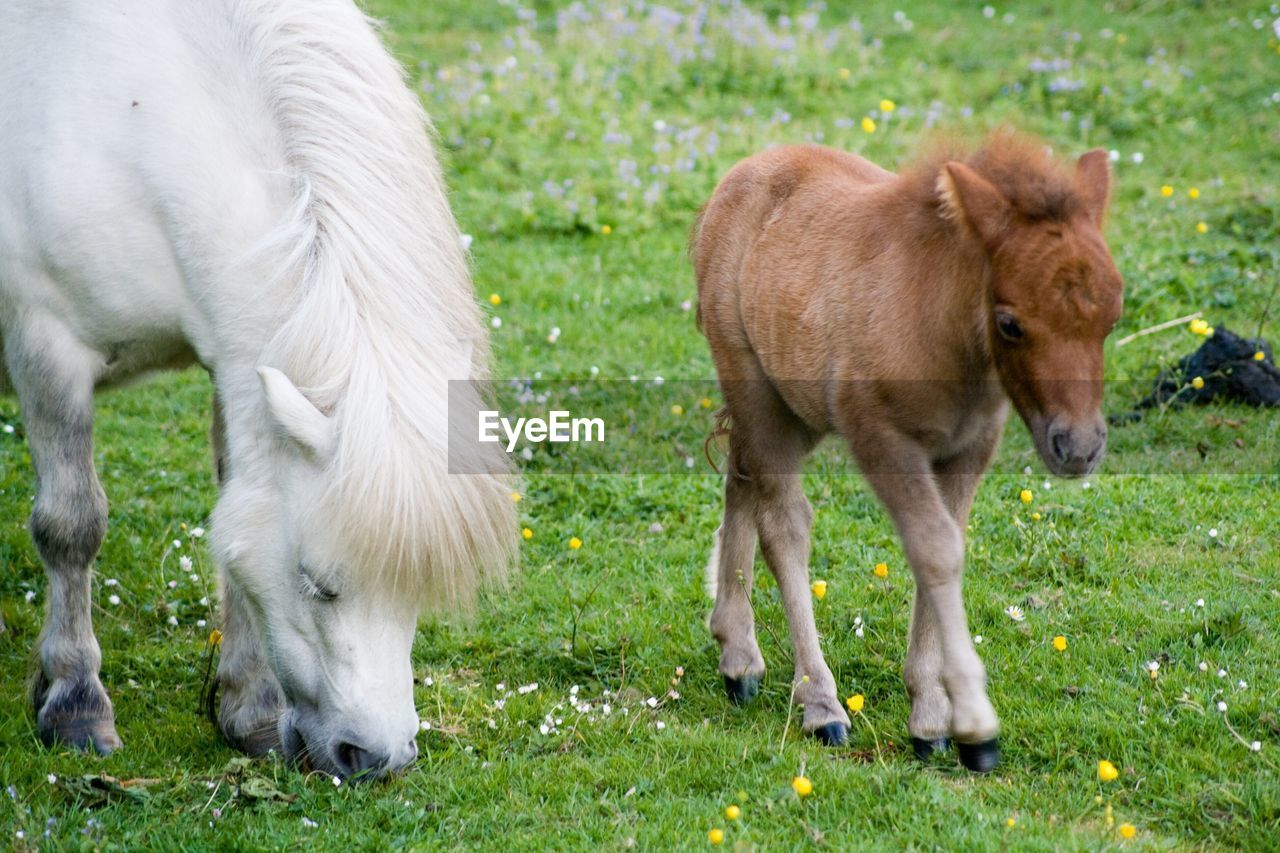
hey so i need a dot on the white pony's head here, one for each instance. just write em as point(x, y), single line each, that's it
point(336, 612)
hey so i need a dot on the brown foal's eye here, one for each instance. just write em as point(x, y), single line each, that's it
point(1008, 327)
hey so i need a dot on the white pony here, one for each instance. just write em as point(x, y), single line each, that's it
point(247, 184)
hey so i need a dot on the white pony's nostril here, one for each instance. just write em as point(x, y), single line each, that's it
point(354, 760)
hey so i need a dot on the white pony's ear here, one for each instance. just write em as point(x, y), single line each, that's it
point(295, 415)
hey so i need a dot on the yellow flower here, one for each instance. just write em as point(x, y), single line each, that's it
point(819, 589)
point(606, 230)
point(1127, 830)
point(705, 402)
point(1197, 383)
point(495, 299)
point(1060, 643)
point(1199, 327)
point(575, 543)
point(1011, 823)
point(868, 124)
point(527, 533)
point(215, 637)
point(843, 73)
point(1166, 191)
point(677, 409)
point(887, 106)
point(802, 786)
point(1202, 228)
point(716, 836)
point(1259, 355)
point(1107, 771)
point(855, 702)
point(882, 570)
point(1193, 193)
point(1026, 496)
point(516, 497)
point(1035, 516)
point(733, 813)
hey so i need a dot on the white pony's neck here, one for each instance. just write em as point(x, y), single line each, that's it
point(383, 315)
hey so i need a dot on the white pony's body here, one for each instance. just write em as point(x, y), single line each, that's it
point(248, 184)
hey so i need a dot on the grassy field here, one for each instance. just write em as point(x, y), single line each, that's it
point(580, 140)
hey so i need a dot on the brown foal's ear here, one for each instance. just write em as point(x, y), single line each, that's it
point(967, 196)
point(1093, 182)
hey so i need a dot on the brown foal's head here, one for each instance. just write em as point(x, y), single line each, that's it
point(1054, 296)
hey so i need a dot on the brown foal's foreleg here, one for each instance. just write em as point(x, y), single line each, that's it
point(930, 720)
point(54, 381)
point(934, 544)
point(251, 698)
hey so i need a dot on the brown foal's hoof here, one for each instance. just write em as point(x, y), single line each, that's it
point(832, 734)
point(980, 757)
point(742, 690)
point(925, 748)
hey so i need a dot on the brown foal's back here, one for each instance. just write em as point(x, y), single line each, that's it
point(903, 312)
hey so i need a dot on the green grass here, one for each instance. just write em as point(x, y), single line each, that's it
point(1116, 568)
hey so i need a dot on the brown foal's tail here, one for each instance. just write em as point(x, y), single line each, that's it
point(721, 428)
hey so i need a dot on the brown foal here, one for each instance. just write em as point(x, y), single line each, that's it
point(903, 312)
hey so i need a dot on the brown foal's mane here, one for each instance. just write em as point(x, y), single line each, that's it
point(1037, 185)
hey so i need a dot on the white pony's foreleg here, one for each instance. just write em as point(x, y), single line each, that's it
point(53, 375)
point(251, 698)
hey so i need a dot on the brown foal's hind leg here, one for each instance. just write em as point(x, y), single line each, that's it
point(731, 621)
point(903, 479)
point(768, 445)
point(251, 698)
point(68, 523)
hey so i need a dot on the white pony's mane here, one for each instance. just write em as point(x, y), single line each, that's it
point(384, 314)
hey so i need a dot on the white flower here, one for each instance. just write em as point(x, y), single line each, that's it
point(1222, 706)
point(30, 596)
point(465, 241)
point(1199, 602)
point(173, 584)
point(200, 623)
point(425, 725)
point(1014, 612)
point(1242, 684)
point(652, 701)
point(544, 729)
point(977, 639)
point(527, 688)
point(1222, 673)
point(309, 823)
point(177, 543)
point(197, 532)
point(1204, 667)
point(1137, 157)
point(51, 779)
point(1256, 746)
point(501, 686)
point(1153, 665)
point(428, 681)
point(496, 322)
point(1213, 533)
point(660, 725)
point(1086, 485)
point(336, 781)
point(184, 563)
point(857, 632)
point(113, 599)
point(173, 620)
point(1113, 155)
point(111, 582)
